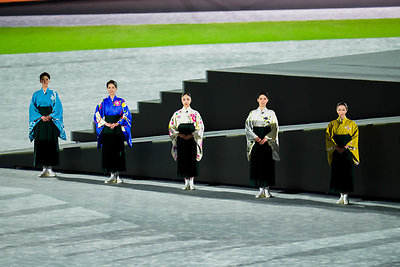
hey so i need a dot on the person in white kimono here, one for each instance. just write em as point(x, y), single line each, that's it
point(261, 129)
point(186, 129)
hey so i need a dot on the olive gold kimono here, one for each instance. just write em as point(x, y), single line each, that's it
point(342, 133)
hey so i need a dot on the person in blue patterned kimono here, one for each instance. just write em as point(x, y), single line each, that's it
point(113, 126)
point(46, 126)
point(261, 129)
point(186, 129)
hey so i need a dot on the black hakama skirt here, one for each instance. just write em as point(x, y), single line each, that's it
point(262, 165)
point(342, 167)
point(46, 151)
point(113, 149)
point(187, 152)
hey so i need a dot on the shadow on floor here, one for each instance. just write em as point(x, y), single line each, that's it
point(204, 193)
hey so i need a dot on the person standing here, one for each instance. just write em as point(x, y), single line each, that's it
point(186, 129)
point(46, 126)
point(261, 129)
point(113, 126)
point(342, 150)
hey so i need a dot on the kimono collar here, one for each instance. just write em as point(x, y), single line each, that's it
point(45, 93)
point(115, 97)
point(264, 110)
point(187, 110)
point(341, 121)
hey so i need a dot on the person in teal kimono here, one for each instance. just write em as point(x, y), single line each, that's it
point(113, 126)
point(46, 126)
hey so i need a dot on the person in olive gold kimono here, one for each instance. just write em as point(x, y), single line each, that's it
point(343, 154)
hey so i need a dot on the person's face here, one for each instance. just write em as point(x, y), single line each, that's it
point(111, 89)
point(186, 100)
point(341, 111)
point(45, 82)
point(262, 101)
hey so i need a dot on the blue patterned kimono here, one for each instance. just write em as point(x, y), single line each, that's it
point(116, 107)
point(42, 99)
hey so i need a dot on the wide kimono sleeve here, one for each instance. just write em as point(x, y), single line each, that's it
point(250, 135)
point(57, 114)
point(273, 135)
point(173, 134)
point(248, 127)
point(34, 117)
point(126, 123)
point(329, 141)
point(353, 144)
point(198, 133)
point(99, 122)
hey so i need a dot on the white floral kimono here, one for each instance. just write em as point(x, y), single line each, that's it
point(262, 118)
point(187, 115)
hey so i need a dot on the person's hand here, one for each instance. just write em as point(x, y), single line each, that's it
point(113, 125)
point(184, 136)
point(258, 139)
point(46, 118)
point(340, 149)
point(263, 141)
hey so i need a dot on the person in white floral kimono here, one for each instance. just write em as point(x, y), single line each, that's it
point(261, 129)
point(186, 130)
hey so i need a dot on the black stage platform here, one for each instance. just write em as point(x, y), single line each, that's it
point(303, 165)
point(303, 94)
point(155, 6)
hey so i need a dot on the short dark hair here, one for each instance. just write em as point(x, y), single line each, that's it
point(263, 93)
point(183, 94)
point(342, 104)
point(112, 82)
point(44, 74)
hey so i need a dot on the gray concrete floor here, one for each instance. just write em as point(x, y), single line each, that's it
point(77, 220)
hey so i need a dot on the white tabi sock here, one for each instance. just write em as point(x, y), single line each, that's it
point(266, 192)
point(345, 199)
point(186, 186)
